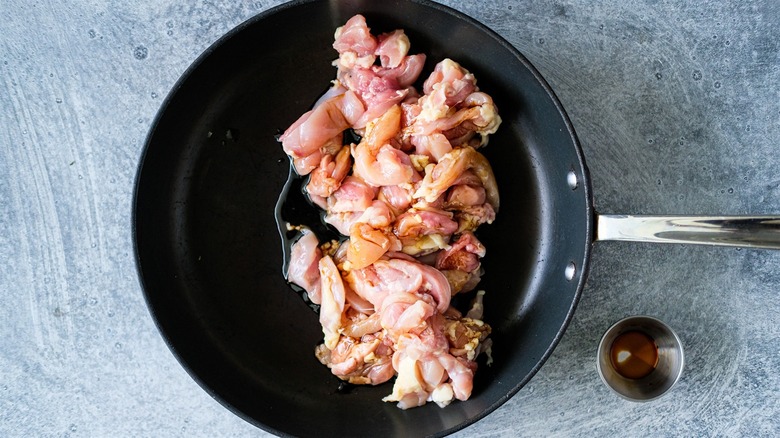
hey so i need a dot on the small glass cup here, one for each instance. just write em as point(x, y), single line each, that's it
point(660, 376)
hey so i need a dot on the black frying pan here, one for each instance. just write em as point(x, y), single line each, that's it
point(208, 249)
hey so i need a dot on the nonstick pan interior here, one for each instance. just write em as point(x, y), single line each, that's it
point(209, 254)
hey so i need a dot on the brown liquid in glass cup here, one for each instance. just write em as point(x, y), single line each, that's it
point(634, 354)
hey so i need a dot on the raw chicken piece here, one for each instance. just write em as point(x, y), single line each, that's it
point(349, 354)
point(395, 276)
point(335, 90)
point(422, 246)
point(375, 282)
point(440, 177)
point(363, 361)
point(379, 367)
point(378, 215)
point(477, 306)
point(353, 195)
point(347, 204)
point(463, 255)
point(424, 231)
point(368, 244)
point(370, 236)
point(462, 196)
point(416, 223)
point(486, 119)
point(478, 115)
point(355, 36)
point(333, 301)
point(406, 312)
point(304, 165)
point(468, 178)
point(461, 375)
point(448, 85)
point(469, 218)
point(360, 324)
point(304, 265)
point(384, 166)
point(461, 281)
point(436, 285)
point(358, 304)
point(466, 191)
point(466, 337)
point(410, 110)
point(376, 91)
point(327, 177)
point(324, 122)
point(460, 263)
point(434, 145)
point(343, 221)
point(376, 161)
point(398, 198)
point(408, 389)
point(404, 74)
point(392, 48)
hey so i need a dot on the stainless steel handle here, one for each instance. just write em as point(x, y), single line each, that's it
point(744, 231)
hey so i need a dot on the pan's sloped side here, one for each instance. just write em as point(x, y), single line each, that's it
point(208, 251)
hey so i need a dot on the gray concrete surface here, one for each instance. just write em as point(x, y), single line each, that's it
point(677, 104)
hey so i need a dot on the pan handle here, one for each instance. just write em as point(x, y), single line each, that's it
point(744, 231)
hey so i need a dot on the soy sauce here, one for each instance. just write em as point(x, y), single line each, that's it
point(634, 354)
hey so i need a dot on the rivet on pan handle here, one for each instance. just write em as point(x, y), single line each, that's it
point(742, 231)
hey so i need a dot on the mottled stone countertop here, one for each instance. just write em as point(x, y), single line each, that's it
point(677, 106)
